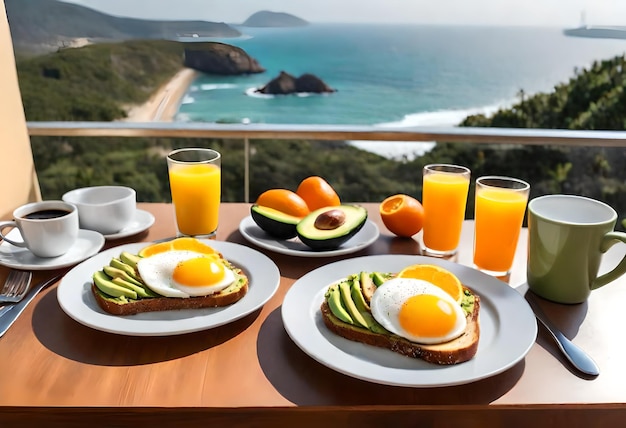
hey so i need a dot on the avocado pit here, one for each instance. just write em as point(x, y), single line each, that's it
point(329, 220)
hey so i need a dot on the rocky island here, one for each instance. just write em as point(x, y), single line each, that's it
point(285, 84)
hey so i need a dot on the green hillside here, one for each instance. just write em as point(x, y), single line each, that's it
point(44, 25)
point(94, 82)
point(593, 98)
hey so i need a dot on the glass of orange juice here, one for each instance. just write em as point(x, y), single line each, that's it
point(444, 197)
point(499, 214)
point(195, 184)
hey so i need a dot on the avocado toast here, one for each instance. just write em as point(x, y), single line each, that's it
point(346, 312)
point(119, 290)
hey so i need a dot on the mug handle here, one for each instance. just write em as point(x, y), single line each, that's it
point(11, 224)
point(607, 242)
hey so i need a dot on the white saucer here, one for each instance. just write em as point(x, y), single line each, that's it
point(87, 244)
point(140, 222)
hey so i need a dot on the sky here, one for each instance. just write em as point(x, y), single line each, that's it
point(553, 13)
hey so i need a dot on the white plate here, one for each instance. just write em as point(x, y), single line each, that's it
point(76, 299)
point(141, 221)
point(507, 327)
point(87, 244)
point(294, 247)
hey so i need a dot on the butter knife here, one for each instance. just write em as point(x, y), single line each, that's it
point(579, 358)
point(8, 318)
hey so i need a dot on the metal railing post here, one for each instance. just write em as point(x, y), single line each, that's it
point(246, 170)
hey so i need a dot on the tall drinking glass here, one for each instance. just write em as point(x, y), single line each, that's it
point(500, 207)
point(195, 183)
point(444, 197)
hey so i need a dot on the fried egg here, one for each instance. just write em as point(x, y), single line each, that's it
point(182, 273)
point(418, 311)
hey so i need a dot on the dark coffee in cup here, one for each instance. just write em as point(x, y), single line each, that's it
point(46, 214)
point(47, 228)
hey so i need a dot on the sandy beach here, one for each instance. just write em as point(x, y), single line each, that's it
point(163, 105)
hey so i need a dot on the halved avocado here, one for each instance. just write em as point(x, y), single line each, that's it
point(327, 228)
point(274, 222)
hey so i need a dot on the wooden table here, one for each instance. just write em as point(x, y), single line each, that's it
point(55, 371)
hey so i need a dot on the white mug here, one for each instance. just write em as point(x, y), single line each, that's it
point(105, 209)
point(48, 228)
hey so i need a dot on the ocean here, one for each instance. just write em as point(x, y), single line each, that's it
point(399, 75)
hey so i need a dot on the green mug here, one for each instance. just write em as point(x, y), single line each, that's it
point(567, 236)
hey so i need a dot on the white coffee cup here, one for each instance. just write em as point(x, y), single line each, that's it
point(105, 209)
point(48, 228)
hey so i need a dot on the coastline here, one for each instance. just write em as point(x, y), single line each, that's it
point(163, 104)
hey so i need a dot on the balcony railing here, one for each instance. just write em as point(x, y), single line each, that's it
point(249, 132)
point(330, 132)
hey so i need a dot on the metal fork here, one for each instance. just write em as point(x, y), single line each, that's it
point(15, 286)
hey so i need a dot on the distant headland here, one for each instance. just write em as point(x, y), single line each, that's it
point(267, 18)
point(41, 26)
point(598, 32)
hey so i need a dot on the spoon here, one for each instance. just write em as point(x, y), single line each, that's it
point(573, 353)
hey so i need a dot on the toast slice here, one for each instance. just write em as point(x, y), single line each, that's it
point(117, 306)
point(456, 351)
point(151, 302)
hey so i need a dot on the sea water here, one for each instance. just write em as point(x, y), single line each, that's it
point(393, 75)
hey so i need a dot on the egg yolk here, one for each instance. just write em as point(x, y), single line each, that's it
point(198, 271)
point(426, 315)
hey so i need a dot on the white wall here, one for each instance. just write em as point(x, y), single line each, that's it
point(18, 178)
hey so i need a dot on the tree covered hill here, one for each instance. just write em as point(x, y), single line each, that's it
point(593, 98)
point(95, 82)
point(44, 25)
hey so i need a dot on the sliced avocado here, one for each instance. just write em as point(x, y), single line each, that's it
point(118, 264)
point(373, 325)
point(105, 285)
point(136, 288)
point(379, 278)
point(274, 222)
point(119, 273)
point(328, 228)
point(333, 297)
point(346, 299)
point(130, 259)
point(357, 296)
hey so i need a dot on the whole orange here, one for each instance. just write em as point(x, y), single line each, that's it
point(317, 193)
point(402, 214)
point(285, 201)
